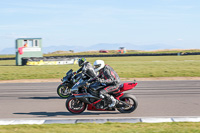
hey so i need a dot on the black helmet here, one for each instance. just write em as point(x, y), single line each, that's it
point(81, 61)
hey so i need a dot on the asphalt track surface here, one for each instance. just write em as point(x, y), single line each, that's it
point(155, 98)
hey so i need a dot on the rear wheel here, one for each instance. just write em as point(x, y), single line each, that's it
point(75, 106)
point(63, 91)
point(131, 101)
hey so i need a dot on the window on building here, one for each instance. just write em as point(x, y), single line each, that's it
point(36, 43)
point(25, 43)
point(30, 43)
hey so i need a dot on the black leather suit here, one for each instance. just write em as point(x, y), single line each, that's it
point(87, 69)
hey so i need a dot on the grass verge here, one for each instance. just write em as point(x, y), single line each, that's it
point(126, 67)
point(105, 128)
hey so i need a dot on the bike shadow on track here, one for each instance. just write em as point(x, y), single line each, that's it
point(51, 114)
point(41, 98)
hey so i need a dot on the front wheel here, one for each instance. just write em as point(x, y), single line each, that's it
point(63, 91)
point(131, 101)
point(75, 106)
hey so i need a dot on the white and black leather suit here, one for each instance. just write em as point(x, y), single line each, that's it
point(109, 77)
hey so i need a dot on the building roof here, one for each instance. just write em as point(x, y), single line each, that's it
point(27, 38)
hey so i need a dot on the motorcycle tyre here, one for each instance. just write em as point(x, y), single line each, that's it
point(67, 102)
point(135, 103)
point(59, 94)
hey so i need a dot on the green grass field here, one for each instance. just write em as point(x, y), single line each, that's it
point(126, 67)
point(104, 128)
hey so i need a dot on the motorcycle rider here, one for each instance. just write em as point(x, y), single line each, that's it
point(108, 77)
point(86, 68)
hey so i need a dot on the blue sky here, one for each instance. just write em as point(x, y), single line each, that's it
point(89, 22)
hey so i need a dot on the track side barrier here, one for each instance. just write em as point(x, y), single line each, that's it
point(115, 55)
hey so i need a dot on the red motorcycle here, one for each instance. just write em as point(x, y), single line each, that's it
point(87, 96)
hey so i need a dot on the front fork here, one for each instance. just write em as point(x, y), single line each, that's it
point(62, 84)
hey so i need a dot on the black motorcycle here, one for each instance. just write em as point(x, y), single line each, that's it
point(71, 78)
point(84, 95)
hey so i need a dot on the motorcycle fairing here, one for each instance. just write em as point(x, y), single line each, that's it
point(125, 87)
point(92, 107)
point(83, 97)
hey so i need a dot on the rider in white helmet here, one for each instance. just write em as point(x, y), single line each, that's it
point(98, 64)
point(108, 77)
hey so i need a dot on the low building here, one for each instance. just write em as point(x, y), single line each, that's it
point(122, 50)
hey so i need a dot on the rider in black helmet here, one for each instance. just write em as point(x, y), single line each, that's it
point(86, 68)
point(81, 61)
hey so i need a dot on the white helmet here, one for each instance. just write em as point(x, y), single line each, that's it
point(98, 65)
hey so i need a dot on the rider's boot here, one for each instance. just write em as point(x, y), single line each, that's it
point(102, 96)
point(114, 101)
point(110, 99)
